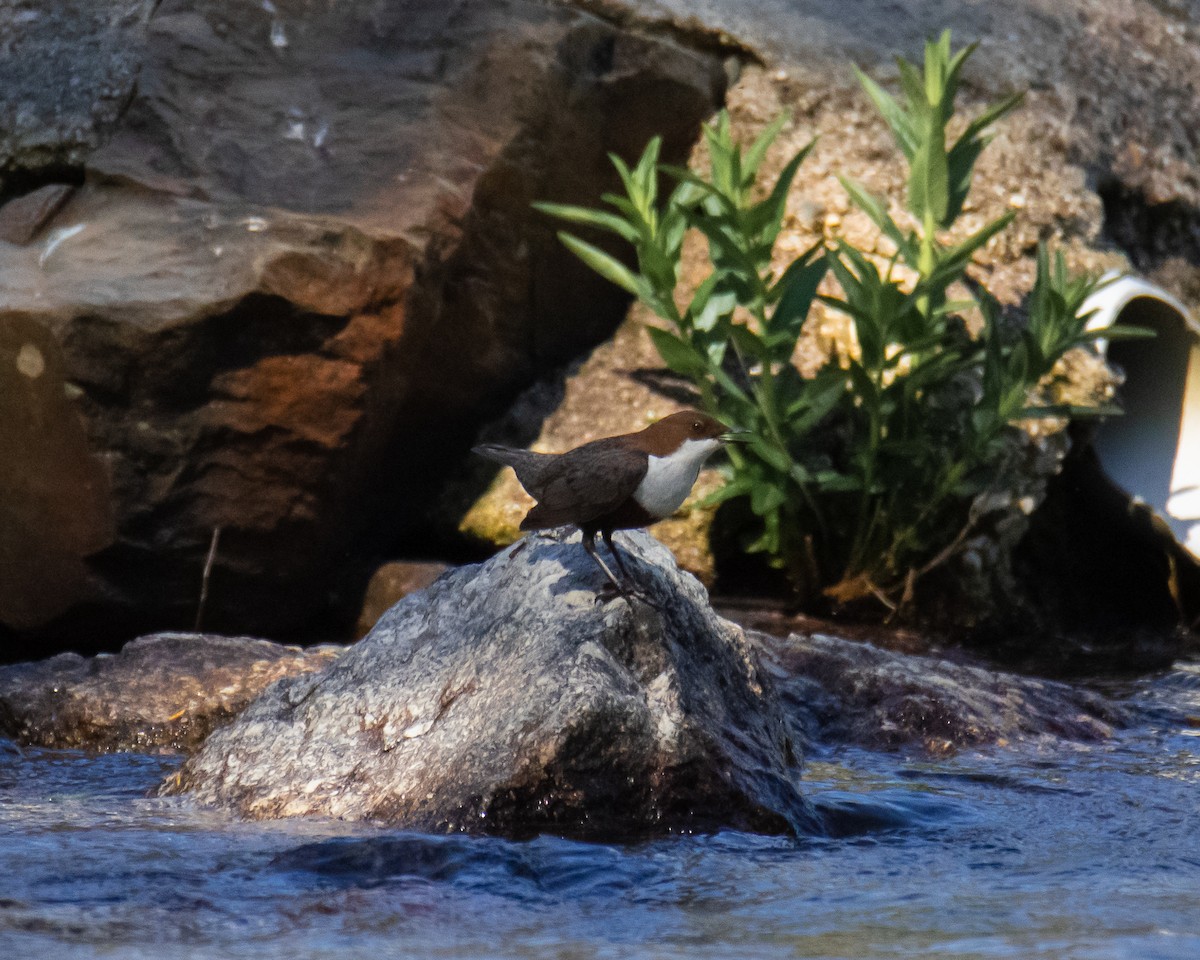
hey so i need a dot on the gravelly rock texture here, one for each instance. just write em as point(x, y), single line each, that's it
point(505, 699)
point(165, 692)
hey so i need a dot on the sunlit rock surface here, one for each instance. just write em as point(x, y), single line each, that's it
point(163, 692)
point(506, 699)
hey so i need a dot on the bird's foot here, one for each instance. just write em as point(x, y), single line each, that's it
point(610, 591)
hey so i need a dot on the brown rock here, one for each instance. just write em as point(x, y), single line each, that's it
point(54, 494)
point(164, 693)
point(390, 584)
point(22, 218)
point(304, 263)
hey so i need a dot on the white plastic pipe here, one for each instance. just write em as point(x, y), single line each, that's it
point(1182, 503)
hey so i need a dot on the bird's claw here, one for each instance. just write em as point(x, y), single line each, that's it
point(609, 592)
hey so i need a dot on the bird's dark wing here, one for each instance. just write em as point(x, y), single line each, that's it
point(584, 484)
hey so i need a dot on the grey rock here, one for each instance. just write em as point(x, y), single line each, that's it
point(505, 699)
point(165, 692)
point(841, 691)
point(67, 71)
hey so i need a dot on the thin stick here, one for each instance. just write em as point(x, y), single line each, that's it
point(208, 564)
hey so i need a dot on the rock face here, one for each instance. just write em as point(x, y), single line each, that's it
point(301, 260)
point(165, 692)
point(505, 699)
point(840, 691)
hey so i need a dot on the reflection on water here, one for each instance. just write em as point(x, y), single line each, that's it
point(1043, 850)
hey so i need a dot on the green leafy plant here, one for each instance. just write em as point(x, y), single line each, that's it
point(861, 478)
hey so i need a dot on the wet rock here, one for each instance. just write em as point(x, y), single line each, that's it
point(504, 699)
point(842, 691)
point(301, 264)
point(390, 584)
point(164, 692)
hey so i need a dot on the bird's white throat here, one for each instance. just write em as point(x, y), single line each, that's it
point(669, 479)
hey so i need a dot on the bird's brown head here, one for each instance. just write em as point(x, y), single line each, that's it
point(670, 433)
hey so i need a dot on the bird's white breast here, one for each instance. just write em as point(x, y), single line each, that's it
point(669, 479)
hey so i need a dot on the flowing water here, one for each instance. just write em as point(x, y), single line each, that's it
point(1037, 850)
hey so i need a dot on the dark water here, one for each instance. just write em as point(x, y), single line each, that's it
point(1039, 850)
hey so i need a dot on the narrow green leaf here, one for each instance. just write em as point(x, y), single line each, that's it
point(960, 168)
point(604, 264)
point(627, 179)
point(677, 353)
point(749, 342)
point(719, 304)
point(914, 89)
point(601, 219)
point(876, 209)
point(1119, 331)
point(977, 127)
point(758, 149)
point(766, 216)
point(954, 260)
point(771, 455)
point(816, 403)
point(929, 177)
point(799, 285)
point(766, 497)
point(737, 487)
point(900, 123)
point(833, 482)
point(646, 171)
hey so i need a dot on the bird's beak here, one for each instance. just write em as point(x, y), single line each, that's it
point(736, 436)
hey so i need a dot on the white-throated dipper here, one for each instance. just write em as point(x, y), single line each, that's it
point(617, 483)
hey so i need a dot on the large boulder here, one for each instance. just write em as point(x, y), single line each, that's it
point(165, 692)
point(301, 263)
point(506, 698)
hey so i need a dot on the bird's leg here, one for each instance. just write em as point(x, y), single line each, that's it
point(589, 544)
point(631, 584)
point(612, 548)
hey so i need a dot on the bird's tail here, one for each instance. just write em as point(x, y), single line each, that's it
point(506, 455)
point(529, 466)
